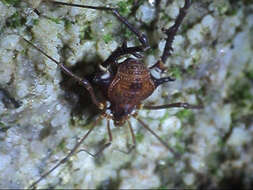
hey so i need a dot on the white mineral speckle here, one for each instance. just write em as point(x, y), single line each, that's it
point(146, 13)
point(189, 179)
point(34, 3)
point(10, 42)
point(195, 34)
point(197, 164)
point(239, 137)
point(22, 90)
point(139, 178)
point(208, 22)
point(173, 10)
point(178, 42)
point(104, 49)
point(171, 125)
point(5, 161)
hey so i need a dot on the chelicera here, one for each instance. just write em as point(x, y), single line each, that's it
point(124, 84)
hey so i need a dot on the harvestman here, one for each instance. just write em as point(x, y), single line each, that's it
point(124, 84)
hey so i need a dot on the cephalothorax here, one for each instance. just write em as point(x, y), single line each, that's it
point(124, 84)
point(127, 88)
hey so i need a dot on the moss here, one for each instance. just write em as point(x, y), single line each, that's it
point(166, 115)
point(124, 7)
point(109, 24)
point(11, 2)
point(175, 72)
point(109, 183)
point(86, 33)
point(162, 188)
point(176, 95)
point(62, 144)
point(241, 94)
point(15, 20)
point(127, 34)
point(107, 38)
point(165, 17)
point(3, 127)
point(67, 24)
point(221, 143)
point(186, 115)
point(199, 91)
point(45, 132)
point(232, 12)
point(35, 21)
point(171, 161)
point(179, 148)
point(139, 137)
point(213, 160)
point(249, 74)
point(222, 8)
point(56, 20)
point(179, 133)
point(191, 70)
point(152, 51)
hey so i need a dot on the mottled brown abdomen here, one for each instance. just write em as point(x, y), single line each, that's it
point(132, 83)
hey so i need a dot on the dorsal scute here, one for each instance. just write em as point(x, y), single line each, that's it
point(131, 85)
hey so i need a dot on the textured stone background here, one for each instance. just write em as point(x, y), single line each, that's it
point(43, 113)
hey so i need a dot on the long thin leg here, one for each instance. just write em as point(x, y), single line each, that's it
point(120, 51)
point(129, 150)
point(159, 81)
point(68, 156)
point(159, 65)
point(153, 133)
point(132, 134)
point(85, 83)
point(174, 105)
point(110, 140)
point(104, 146)
point(133, 138)
point(171, 32)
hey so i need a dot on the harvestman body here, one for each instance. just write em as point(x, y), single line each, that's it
point(127, 84)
